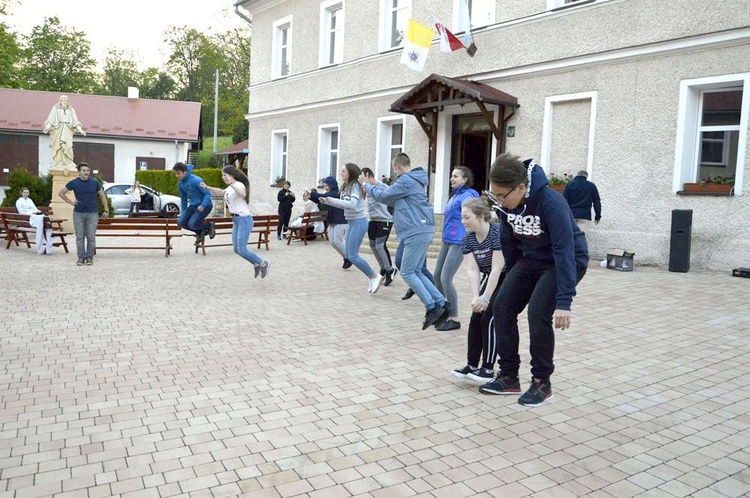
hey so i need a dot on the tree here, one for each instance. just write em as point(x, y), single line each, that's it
point(58, 59)
point(156, 84)
point(120, 72)
point(10, 52)
point(233, 82)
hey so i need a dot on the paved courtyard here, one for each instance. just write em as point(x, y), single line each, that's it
point(146, 376)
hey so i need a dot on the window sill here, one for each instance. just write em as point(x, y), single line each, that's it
point(571, 5)
point(707, 194)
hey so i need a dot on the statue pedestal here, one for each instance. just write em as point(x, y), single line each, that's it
point(60, 177)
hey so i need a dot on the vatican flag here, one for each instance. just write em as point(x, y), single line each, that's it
point(417, 45)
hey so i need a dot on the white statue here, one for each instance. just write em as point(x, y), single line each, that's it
point(61, 124)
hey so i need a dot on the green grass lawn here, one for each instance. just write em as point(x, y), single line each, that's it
point(204, 157)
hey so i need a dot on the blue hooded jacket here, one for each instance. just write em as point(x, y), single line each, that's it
point(413, 214)
point(581, 194)
point(453, 229)
point(191, 191)
point(334, 216)
point(543, 229)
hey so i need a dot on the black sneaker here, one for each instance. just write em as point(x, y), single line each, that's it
point(212, 231)
point(408, 295)
point(461, 373)
point(448, 324)
point(199, 238)
point(432, 316)
point(502, 384)
point(389, 276)
point(80, 261)
point(446, 314)
point(347, 264)
point(481, 375)
point(539, 392)
point(88, 261)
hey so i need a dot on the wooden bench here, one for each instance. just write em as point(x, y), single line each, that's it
point(17, 229)
point(263, 224)
point(305, 232)
point(165, 228)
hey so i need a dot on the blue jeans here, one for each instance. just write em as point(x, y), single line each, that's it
point(355, 233)
point(400, 257)
point(241, 229)
point(84, 225)
point(415, 255)
point(192, 219)
point(448, 261)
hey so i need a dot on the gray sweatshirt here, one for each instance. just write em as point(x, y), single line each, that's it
point(413, 213)
point(377, 211)
point(350, 201)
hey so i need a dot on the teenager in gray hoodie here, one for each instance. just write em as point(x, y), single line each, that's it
point(354, 212)
point(414, 221)
point(378, 231)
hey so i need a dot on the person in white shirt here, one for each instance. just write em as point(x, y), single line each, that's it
point(236, 197)
point(24, 205)
point(309, 207)
point(135, 196)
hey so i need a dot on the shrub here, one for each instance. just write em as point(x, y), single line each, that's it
point(560, 180)
point(40, 188)
point(165, 181)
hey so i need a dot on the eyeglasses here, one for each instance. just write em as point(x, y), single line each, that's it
point(498, 198)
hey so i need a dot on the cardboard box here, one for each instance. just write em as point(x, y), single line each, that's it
point(620, 259)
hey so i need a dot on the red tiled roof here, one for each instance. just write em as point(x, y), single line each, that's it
point(26, 110)
point(420, 93)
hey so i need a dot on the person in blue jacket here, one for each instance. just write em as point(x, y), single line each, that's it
point(546, 255)
point(449, 258)
point(337, 224)
point(581, 194)
point(196, 203)
point(414, 223)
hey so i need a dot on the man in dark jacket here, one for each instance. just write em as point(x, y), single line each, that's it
point(581, 194)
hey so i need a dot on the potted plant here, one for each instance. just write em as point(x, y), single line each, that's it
point(713, 183)
point(280, 180)
point(557, 182)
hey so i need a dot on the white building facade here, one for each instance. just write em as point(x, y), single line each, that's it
point(646, 96)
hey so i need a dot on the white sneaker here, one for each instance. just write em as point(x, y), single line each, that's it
point(375, 283)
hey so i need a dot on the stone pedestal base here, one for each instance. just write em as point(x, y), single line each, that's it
point(61, 208)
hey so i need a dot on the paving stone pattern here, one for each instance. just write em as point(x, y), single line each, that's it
point(146, 376)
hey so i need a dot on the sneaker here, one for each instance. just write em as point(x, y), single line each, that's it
point(212, 231)
point(481, 375)
point(375, 284)
point(502, 384)
point(347, 264)
point(461, 373)
point(448, 324)
point(88, 261)
point(389, 276)
point(446, 314)
point(257, 269)
point(80, 262)
point(539, 392)
point(199, 238)
point(264, 268)
point(432, 316)
point(279, 237)
point(408, 295)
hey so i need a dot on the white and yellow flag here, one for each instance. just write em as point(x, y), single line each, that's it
point(417, 45)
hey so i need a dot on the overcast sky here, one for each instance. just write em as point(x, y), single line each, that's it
point(131, 25)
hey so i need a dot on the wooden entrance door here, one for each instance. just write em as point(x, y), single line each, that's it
point(472, 147)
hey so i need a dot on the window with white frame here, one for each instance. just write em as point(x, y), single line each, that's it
point(712, 130)
point(553, 4)
point(279, 154)
point(394, 16)
point(480, 12)
point(282, 47)
point(328, 150)
point(331, 32)
point(390, 143)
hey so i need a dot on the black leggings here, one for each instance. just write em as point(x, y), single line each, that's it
point(531, 283)
point(482, 337)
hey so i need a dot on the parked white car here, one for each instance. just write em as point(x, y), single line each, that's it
point(150, 201)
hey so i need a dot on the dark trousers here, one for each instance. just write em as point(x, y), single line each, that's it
point(192, 219)
point(283, 221)
point(481, 336)
point(531, 283)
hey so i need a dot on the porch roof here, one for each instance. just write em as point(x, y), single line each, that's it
point(436, 91)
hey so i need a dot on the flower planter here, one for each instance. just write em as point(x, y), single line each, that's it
point(559, 188)
point(708, 187)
